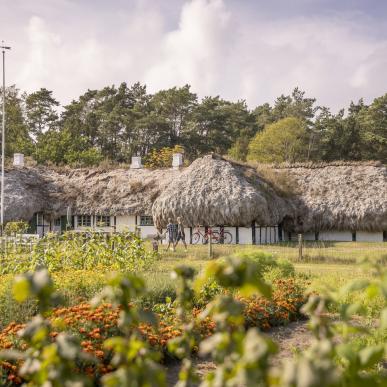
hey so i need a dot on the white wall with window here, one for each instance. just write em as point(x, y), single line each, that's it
point(102, 221)
point(43, 224)
point(146, 226)
point(83, 221)
point(56, 225)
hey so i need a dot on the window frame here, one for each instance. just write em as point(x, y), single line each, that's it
point(146, 220)
point(105, 219)
point(40, 219)
point(83, 220)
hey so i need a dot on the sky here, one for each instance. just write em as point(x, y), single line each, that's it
point(336, 51)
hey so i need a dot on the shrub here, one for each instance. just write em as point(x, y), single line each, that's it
point(266, 263)
point(124, 252)
point(15, 228)
point(161, 158)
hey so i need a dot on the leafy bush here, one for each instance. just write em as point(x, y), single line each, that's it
point(162, 158)
point(89, 251)
point(264, 262)
point(15, 228)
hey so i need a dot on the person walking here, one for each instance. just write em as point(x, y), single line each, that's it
point(171, 232)
point(180, 233)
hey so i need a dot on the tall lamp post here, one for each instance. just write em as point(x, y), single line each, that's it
point(3, 48)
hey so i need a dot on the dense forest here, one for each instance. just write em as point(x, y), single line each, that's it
point(117, 122)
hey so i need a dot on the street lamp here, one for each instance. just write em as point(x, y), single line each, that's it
point(3, 48)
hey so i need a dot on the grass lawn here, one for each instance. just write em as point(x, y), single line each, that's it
point(329, 252)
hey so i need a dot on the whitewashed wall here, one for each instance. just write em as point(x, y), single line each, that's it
point(245, 236)
point(338, 236)
point(147, 231)
point(125, 223)
point(364, 236)
point(266, 235)
point(310, 236)
point(232, 231)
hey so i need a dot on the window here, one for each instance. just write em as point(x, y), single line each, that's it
point(57, 222)
point(84, 221)
point(39, 219)
point(102, 221)
point(146, 220)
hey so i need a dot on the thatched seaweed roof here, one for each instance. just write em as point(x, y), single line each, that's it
point(85, 191)
point(211, 191)
point(342, 196)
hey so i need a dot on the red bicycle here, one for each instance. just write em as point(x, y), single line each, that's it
point(216, 237)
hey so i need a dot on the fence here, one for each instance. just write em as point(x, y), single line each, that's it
point(330, 252)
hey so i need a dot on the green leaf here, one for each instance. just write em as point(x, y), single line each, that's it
point(383, 319)
point(371, 355)
point(354, 286)
point(373, 291)
point(21, 289)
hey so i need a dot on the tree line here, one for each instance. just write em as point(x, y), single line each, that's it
point(115, 123)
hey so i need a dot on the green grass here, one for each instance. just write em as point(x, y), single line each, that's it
point(313, 252)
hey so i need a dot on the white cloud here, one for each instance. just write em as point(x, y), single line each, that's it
point(216, 46)
point(194, 53)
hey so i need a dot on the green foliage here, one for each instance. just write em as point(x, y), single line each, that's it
point(15, 228)
point(161, 158)
point(267, 262)
point(45, 362)
point(374, 135)
point(243, 356)
point(337, 137)
point(61, 147)
point(40, 111)
point(240, 148)
point(124, 251)
point(115, 123)
point(134, 362)
point(236, 272)
point(18, 135)
point(183, 346)
point(216, 124)
point(283, 141)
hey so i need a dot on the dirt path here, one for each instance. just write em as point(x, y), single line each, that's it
point(291, 338)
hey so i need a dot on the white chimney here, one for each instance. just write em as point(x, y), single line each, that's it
point(136, 162)
point(18, 159)
point(177, 161)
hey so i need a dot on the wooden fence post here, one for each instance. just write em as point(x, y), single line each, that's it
point(300, 243)
point(210, 243)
